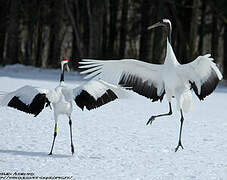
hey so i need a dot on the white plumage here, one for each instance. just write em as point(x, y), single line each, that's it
point(33, 100)
point(154, 81)
point(26, 94)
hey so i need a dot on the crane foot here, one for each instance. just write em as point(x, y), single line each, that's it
point(179, 145)
point(150, 120)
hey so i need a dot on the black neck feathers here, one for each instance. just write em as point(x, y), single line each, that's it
point(64, 66)
point(62, 76)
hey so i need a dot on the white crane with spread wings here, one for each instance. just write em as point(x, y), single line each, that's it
point(154, 81)
point(33, 100)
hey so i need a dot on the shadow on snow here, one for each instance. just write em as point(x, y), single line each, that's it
point(33, 154)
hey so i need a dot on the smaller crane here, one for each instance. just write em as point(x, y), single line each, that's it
point(154, 81)
point(33, 100)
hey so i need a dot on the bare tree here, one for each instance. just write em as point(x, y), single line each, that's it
point(160, 34)
point(193, 30)
point(123, 29)
point(225, 51)
point(56, 32)
point(114, 5)
point(73, 14)
point(40, 27)
point(215, 36)
point(33, 32)
point(95, 12)
point(145, 38)
point(202, 24)
point(12, 51)
point(3, 19)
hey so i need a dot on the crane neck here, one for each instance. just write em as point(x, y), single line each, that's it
point(170, 56)
point(62, 76)
point(169, 38)
point(169, 33)
point(64, 66)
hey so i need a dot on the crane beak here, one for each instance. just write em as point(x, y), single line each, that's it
point(155, 25)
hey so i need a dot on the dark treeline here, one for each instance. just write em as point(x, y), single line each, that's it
point(40, 32)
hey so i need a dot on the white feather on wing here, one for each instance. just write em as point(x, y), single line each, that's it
point(26, 94)
point(129, 72)
point(202, 73)
point(28, 99)
point(95, 93)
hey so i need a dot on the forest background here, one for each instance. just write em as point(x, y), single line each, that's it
point(40, 32)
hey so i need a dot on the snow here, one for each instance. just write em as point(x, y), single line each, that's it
point(112, 142)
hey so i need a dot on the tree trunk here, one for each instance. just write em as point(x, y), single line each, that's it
point(105, 32)
point(76, 30)
point(80, 44)
point(225, 51)
point(159, 38)
point(38, 62)
point(12, 52)
point(56, 33)
point(96, 12)
point(29, 58)
point(185, 16)
point(201, 29)
point(215, 36)
point(123, 30)
point(86, 30)
point(3, 19)
point(40, 26)
point(145, 51)
point(113, 26)
point(193, 30)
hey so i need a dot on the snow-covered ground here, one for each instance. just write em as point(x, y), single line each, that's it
point(112, 142)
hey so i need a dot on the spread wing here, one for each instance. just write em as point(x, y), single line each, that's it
point(144, 78)
point(203, 75)
point(94, 94)
point(27, 99)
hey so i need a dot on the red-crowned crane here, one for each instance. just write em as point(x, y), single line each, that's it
point(33, 99)
point(154, 81)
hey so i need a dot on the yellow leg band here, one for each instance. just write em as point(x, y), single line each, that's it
point(55, 128)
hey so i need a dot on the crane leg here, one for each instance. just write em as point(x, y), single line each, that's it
point(160, 115)
point(55, 134)
point(71, 135)
point(181, 125)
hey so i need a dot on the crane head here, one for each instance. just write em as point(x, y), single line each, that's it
point(64, 64)
point(164, 22)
